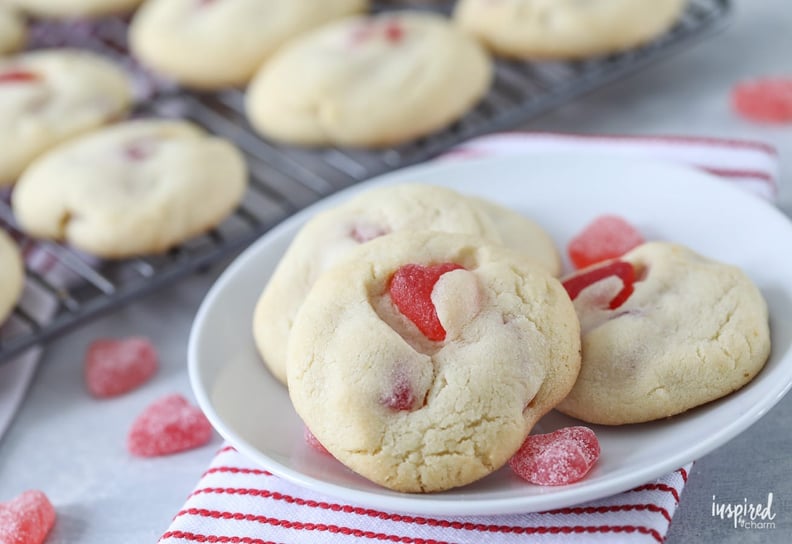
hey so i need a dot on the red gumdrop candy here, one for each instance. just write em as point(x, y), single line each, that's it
point(410, 289)
point(766, 100)
point(18, 76)
point(167, 426)
point(558, 458)
point(26, 519)
point(114, 367)
point(312, 441)
point(607, 237)
point(624, 270)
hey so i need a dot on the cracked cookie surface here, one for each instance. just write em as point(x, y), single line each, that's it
point(693, 330)
point(47, 96)
point(420, 415)
point(369, 81)
point(135, 188)
point(330, 235)
point(12, 275)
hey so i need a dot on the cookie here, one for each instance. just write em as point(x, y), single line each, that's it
point(12, 275)
point(74, 8)
point(330, 235)
point(48, 96)
point(561, 29)
point(369, 82)
point(692, 331)
point(520, 233)
point(423, 361)
point(210, 45)
point(136, 188)
point(12, 30)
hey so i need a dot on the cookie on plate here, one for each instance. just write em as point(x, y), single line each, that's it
point(12, 275)
point(135, 188)
point(47, 96)
point(369, 82)
point(692, 331)
point(330, 235)
point(423, 361)
point(561, 29)
point(74, 8)
point(12, 30)
point(220, 44)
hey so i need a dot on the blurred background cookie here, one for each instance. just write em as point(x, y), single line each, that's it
point(369, 82)
point(559, 29)
point(217, 44)
point(12, 275)
point(12, 30)
point(47, 96)
point(136, 188)
point(74, 8)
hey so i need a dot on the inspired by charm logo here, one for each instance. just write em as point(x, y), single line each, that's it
point(746, 515)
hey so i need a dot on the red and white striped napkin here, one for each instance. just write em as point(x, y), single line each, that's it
point(237, 501)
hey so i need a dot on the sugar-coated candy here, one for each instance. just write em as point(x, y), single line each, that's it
point(607, 237)
point(410, 289)
point(169, 425)
point(766, 100)
point(621, 269)
point(114, 367)
point(26, 519)
point(558, 458)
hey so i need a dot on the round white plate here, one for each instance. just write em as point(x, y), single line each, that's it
point(563, 193)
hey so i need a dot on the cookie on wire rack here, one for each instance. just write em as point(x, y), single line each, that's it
point(210, 45)
point(50, 95)
point(369, 82)
point(12, 275)
point(136, 188)
point(565, 29)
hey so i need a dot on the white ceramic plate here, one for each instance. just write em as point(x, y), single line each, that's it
point(563, 193)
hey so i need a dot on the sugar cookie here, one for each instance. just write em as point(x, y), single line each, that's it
point(47, 96)
point(692, 331)
point(558, 29)
point(213, 44)
point(369, 82)
point(135, 188)
point(423, 360)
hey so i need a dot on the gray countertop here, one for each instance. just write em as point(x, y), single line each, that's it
point(73, 447)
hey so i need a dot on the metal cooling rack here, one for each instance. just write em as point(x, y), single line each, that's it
point(283, 179)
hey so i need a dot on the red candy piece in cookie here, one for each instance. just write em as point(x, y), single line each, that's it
point(401, 397)
point(766, 100)
point(390, 29)
point(623, 270)
point(167, 426)
point(558, 458)
point(312, 441)
point(411, 291)
point(607, 237)
point(114, 367)
point(26, 519)
point(18, 76)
